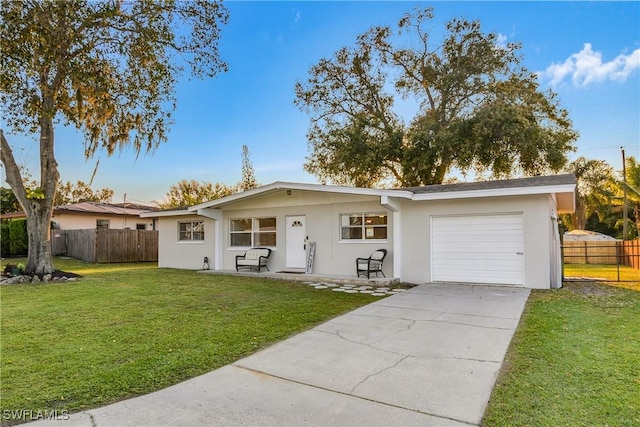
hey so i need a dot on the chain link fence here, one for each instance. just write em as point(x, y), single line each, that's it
point(617, 261)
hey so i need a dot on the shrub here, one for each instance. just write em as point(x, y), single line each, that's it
point(18, 239)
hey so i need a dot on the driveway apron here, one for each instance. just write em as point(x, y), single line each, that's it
point(428, 356)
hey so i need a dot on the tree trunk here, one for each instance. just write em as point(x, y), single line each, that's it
point(579, 216)
point(39, 259)
point(37, 203)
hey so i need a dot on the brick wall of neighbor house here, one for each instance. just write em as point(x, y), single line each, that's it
point(174, 253)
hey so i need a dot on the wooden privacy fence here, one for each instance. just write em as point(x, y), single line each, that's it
point(106, 246)
point(603, 252)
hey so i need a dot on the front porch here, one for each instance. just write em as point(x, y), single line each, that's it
point(374, 282)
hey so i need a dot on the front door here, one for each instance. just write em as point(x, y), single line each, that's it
point(296, 241)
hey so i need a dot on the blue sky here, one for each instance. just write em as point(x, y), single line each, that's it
point(587, 52)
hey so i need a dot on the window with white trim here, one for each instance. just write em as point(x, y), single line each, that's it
point(191, 231)
point(252, 232)
point(364, 226)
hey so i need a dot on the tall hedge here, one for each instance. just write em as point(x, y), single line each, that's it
point(5, 239)
point(18, 239)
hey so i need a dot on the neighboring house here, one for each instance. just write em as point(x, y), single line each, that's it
point(501, 232)
point(88, 215)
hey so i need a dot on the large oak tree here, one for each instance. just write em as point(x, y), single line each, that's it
point(106, 67)
point(479, 108)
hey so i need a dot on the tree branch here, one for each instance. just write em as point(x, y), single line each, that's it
point(12, 171)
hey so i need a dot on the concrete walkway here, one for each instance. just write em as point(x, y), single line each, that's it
point(427, 357)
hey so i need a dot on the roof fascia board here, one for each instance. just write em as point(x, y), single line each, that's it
point(496, 192)
point(165, 213)
point(105, 213)
point(388, 194)
point(304, 187)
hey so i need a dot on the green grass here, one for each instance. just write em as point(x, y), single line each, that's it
point(574, 361)
point(128, 329)
point(629, 277)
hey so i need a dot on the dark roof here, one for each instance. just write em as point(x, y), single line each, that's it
point(95, 208)
point(102, 208)
point(536, 181)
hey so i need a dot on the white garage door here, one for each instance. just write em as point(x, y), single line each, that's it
point(478, 249)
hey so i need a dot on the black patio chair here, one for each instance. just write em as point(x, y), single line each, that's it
point(373, 264)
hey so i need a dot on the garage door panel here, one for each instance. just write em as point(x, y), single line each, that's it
point(480, 266)
point(462, 260)
point(480, 249)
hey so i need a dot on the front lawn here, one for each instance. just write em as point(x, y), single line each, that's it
point(129, 329)
point(574, 361)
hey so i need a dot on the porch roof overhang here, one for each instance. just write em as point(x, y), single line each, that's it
point(280, 186)
point(170, 212)
point(560, 187)
point(563, 194)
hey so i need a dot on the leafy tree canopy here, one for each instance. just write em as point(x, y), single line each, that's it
point(8, 201)
point(600, 200)
point(595, 189)
point(108, 68)
point(479, 109)
point(188, 193)
point(66, 194)
point(80, 192)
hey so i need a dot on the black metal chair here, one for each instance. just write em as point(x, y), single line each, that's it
point(373, 264)
point(254, 258)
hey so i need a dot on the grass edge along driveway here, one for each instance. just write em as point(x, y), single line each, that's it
point(573, 361)
point(129, 329)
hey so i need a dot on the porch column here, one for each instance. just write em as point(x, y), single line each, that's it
point(216, 216)
point(394, 207)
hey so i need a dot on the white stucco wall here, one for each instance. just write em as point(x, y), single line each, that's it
point(411, 224)
point(173, 253)
point(88, 221)
point(322, 226)
point(536, 213)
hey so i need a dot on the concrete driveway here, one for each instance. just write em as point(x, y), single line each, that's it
point(428, 356)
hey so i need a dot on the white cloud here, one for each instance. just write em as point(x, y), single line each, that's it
point(586, 67)
point(296, 18)
point(501, 41)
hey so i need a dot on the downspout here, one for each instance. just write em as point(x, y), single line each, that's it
point(556, 250)
point(393, 206)
point(216, 216)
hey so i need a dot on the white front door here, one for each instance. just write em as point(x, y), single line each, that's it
point(296, 236)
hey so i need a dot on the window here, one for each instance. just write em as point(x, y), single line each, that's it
point(141, 226)
point(191, 231)
point(102, 224)
point(367, 226)
point(252, 232)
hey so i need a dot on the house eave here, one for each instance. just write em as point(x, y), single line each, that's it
point(387, 194)
point(280, 185)
point(166, 213)
point(496, 192)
